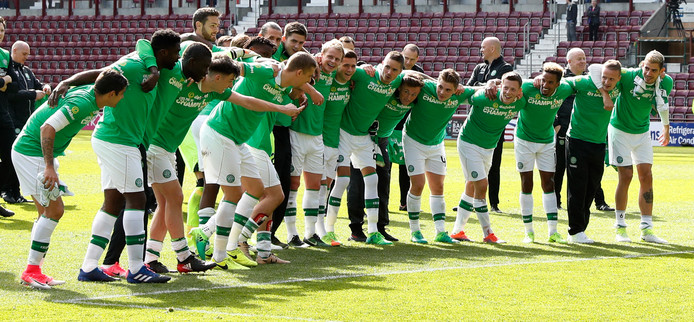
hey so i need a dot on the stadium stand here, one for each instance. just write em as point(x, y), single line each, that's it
point(62, 46)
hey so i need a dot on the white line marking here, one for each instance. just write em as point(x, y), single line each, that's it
point(341, 276)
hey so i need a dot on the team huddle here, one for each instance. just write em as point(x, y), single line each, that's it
point(254, 118)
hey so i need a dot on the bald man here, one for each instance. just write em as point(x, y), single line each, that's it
point(576, 65)
point(493, 67)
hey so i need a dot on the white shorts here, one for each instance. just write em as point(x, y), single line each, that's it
point(161, 165)
point(225, 161)
point(195, 130)
point(530, 153)
point(627, 149)
point(358, 149)
point(27, 169)
point(475, 160)
point(420, 158)
point(266, 169)
point(121, 166)
point(307, 153)
point(330, 156)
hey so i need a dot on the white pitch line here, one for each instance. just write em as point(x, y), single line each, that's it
point(174, 309)
point(341, 276)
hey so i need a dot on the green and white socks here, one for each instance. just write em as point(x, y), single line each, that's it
point(414, 206)
point(334, 202)
point(40, 239)
point(290, 214)
point(102, 227)
point(465, 209)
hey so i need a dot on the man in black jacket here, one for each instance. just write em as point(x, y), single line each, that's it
point(21, 95)
point(25, 89)
point(493, 67)
point(571, 16)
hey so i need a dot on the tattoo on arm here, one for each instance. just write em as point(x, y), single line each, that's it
point(47, 149)
point(648, 196)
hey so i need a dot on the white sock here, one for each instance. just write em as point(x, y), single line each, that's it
point(334, 202)
point(40, 239)
point(224, 220)
point(310, 205)
point(153, 251)
point(438, 211)
point(290, 215)
point(204, 215)
point(526, 204)
point(646, 222)
point(211, 226)
point(620, 216)
point(483, 215)
point(371, 201)
point(134, 227)
point(414, 205)
point(549, 201)
point(243, 212)
point(180, 247)
point(263, 244)
point(465, 209)
point(102, 227)
point(322, 202)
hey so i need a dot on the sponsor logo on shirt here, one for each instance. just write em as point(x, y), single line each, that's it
point(381, 89)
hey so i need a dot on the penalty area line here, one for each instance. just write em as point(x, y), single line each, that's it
point(88, 300)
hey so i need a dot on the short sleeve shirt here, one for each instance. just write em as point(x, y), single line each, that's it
point(488, 119)
point(79, 108)
point(337, 100)
point(633, 107)
point(310, 121)
point(589, 118)
point(429, 117)
point(535, 122)
point(369, 97)
point(391, 115)
point(238, 123)
point(125, 123)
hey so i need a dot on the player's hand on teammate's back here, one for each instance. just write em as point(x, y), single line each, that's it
point(58, 93)
point(316, 97)
point(460, 89)
point(491, 89)
point(370, 70)
point(150, 82)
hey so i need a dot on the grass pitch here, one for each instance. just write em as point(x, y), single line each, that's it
point(470, 281)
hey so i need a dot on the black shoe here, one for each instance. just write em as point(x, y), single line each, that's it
point(277, 242)
point(9, 198)
point(455, 209)
point(387, 236)
point(193, 264)
point(296, 242)
point(157, 267)
point(495, 209)
point(604, 207)
point(20, 199)
point(559, 207)
point(315, 241)
point(358, 236)
point(6, 212)
point(403, 208)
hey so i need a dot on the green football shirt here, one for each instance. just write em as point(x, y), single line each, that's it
point(633, 107)
point(535, 122)
point(369, 97)
point(189, 102)
point(79, 108)
point(238, 123)
point(310, 121)
point(336, 102)
point(125, 123)
point(589, 118)
point(488, 119)
point(427, 122)
point(391, 115)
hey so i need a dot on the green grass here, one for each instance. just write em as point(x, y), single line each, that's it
point(476, 281)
